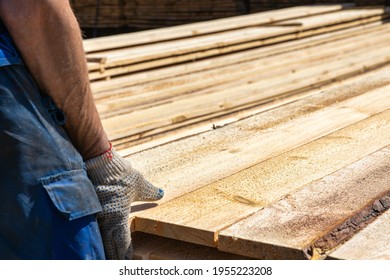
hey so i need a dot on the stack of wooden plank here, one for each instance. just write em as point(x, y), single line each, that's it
point(148, 14)
point(151, 103)
point(278, 150)
point(122, 54)
point(293, 182)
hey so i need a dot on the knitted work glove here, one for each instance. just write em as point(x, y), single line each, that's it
point(118, 185)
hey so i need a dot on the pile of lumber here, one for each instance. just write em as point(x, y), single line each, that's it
point(138, 106)
point(148, 14)
point(122, 54)
point(274, 145)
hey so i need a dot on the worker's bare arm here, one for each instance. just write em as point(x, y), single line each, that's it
point(48, 36)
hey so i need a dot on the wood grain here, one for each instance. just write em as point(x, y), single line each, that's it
point(174, 169)
point(201, 28)
point(152, 93)
point(288, 228)
point(229, 59)
point(137, 54)
point(249, 92)
point(198, 216)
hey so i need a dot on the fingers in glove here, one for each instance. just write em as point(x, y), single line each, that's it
point(130, 252)
point(148, 192)
point(116, 238)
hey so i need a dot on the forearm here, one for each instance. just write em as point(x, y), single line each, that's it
point(48, 37)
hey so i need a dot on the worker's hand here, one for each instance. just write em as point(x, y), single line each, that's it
point(118, 185)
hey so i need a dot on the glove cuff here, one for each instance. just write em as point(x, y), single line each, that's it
point(108, 167)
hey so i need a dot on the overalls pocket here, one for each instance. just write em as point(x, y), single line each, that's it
point(72, 194)
point(76, 233)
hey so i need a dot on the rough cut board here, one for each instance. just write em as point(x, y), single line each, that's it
point(317, 218)
point(218, 155)
point(197, 217)
point(372, 243)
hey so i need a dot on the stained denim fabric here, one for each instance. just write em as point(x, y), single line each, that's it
point(47, 203)
point(8, 53)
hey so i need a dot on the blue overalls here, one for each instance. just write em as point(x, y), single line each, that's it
point(48, 205)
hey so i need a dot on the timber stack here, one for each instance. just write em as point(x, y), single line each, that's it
point(269, 132)
point(148, 14)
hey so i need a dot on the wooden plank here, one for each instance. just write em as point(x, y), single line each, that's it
point(248, 92)
point(145, 244)
point(193, 44)
point(152, 247)
point(129, 141)
point(216, 123)
point(150, 64)
point(371, 243)
point(211, 156)
point(182, 46)
point(292, 227)
point(334, 18)
point(230, 59)
point(153, 93)
point(175, 59)
point(199, 216)
point(201, 28)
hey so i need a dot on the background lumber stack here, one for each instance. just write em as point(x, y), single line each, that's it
point(148, 14)
point(271, 138)
point(114, 55)
point(101, 13)
point(122, 54)
point(159, 102)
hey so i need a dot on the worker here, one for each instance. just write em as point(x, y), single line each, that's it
point(65, 193)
